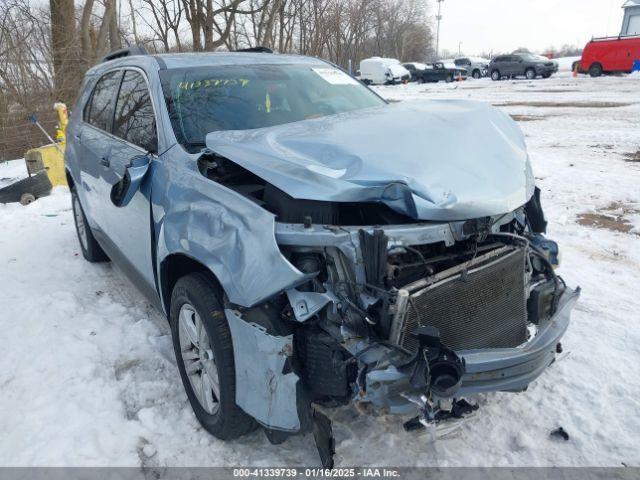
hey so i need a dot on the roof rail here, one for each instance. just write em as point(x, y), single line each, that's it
point(256, 50)
point(618, 37)
point(125, 52)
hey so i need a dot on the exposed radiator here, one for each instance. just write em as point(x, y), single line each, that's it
point(482, 308)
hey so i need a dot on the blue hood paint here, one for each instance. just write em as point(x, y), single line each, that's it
point(432, 160)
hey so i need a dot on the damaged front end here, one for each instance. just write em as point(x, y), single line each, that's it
point(402, 285)
point(401, 318)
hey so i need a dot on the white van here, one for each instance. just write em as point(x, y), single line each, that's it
point(383, 71)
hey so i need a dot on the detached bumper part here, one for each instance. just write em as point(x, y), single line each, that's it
point(266, 388)
point(269, 391)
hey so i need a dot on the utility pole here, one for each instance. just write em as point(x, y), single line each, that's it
point(459, 49)
point(438, 18)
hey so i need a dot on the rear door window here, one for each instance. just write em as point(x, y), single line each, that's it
point(99, 111)
point(134, 117)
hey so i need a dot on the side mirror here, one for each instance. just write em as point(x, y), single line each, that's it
point(123, 191)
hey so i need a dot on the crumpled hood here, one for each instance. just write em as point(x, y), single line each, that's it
point(431, 160)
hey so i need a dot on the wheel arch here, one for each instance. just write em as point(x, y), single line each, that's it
point(177, 265)
point(69, 178)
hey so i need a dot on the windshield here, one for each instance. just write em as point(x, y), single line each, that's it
point(242, 97)
point(530, 57)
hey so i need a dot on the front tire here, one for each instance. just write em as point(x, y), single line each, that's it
point(476, 74)
point(91, 249)
point(204, 353)
point(495, 76)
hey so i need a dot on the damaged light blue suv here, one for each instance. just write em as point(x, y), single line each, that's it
point(313, 245)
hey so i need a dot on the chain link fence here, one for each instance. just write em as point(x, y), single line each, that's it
point(18, 134)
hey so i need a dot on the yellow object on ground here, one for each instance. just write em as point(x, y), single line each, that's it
point(63, 120)
point(49, 157)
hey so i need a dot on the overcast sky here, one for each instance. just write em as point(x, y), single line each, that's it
point(504, 25)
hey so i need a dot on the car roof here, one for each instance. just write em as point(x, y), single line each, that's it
point(202, 59)
point(180, 60)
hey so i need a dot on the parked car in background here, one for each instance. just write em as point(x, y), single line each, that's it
point(476, 67)
point(436, 72)
point(383, 71)
point(609, 55)
point(521, 65)
point(275, 210)
point(614, 54)
point(415, 69)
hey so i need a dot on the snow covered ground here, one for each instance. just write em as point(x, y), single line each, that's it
point(12, 171)
point(87, 375)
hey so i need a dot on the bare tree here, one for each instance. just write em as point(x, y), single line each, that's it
point(26, 76)
point(163, 17)
point(63, 44)
point(207, 19)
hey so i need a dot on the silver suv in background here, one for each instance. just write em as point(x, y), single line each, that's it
point(476, 67)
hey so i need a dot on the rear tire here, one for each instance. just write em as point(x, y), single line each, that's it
point(495, 76)
point(449, 78)
point(91, 249)
point(195, 297)
point(530, 74)
point(595, 70)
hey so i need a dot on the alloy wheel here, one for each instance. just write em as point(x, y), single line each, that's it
point(198, 358)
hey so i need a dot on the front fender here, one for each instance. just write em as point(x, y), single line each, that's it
point(228, 233)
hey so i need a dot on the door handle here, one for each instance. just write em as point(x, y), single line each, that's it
point(105, 162)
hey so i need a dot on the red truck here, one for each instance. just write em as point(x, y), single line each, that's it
point(610, 55)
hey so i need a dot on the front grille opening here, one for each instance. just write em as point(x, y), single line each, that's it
point(482, 308)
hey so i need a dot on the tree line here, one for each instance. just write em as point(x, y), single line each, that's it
point(45, 49)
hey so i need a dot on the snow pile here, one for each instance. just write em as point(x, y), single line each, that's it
point(565, 64)
point(88, 377)
point(12, 171)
